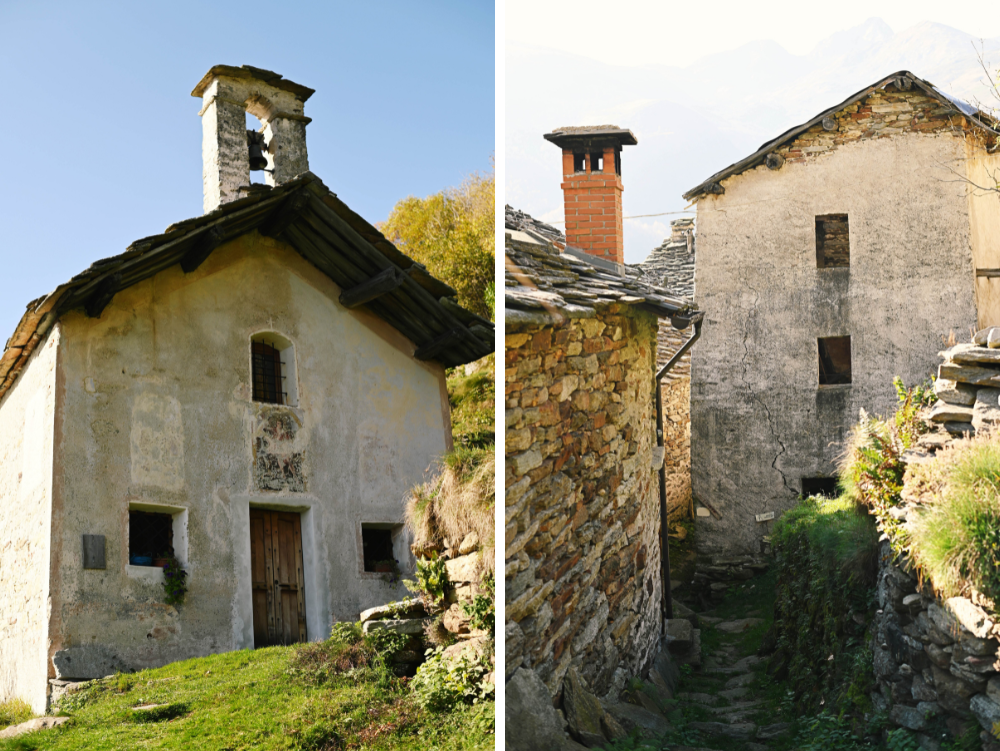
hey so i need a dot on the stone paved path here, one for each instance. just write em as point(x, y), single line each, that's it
point(724, 697)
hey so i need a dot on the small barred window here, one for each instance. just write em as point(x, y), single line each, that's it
point(267, 379)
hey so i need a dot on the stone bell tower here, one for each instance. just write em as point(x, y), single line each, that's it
point(228, 93)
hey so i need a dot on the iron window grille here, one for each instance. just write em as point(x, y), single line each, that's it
point(150, 535)
point(268, 383)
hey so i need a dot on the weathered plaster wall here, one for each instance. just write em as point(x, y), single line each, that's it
point(27, 415)
point(582, 554)
point(759, 420)
point(158, 410)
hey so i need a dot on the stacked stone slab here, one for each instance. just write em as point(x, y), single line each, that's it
point(968, 391)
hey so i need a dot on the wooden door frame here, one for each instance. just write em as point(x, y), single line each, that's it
point(316, 575)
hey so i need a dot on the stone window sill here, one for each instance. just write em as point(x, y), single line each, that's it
point(834, 386)
point(151, 574)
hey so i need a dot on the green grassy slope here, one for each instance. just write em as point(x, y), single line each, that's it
point(249, 700)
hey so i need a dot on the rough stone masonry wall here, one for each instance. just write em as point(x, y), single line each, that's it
point(671, 266)
point(582, 552)
point(760, 420)
point(27, 415)
point(936, 659)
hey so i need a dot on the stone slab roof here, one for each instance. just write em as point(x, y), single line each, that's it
point(545, 283)
point(671, 265)
point(306, 214)
point(904, 78)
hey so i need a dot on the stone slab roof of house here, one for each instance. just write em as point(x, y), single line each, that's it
point(305, 213)
point(905, 79)
point(545, 282)
point(671, 264)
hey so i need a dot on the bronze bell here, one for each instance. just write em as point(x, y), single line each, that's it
point(255, 141)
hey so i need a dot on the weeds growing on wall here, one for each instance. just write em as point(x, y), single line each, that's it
point(956, 538)
point(174, 582)
point(826, 557)
point(872, 469)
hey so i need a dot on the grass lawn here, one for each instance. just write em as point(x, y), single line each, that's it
point(249, 700)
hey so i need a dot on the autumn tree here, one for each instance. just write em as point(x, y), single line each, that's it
point(452, 234)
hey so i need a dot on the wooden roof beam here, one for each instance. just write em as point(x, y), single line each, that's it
point(383, 282)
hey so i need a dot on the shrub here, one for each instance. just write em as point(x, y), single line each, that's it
point(431, 582)
point(481, 610)
point(956, 538)
point(442, 683)
point(872, 469)
point(174, 582)
point(826, 558)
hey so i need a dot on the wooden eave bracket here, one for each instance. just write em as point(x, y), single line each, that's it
point(383, 282)
point(105, 291)
point(436, 346)
point(285, 214)
point(203, 247)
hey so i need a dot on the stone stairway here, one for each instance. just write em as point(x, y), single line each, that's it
point(733, 712)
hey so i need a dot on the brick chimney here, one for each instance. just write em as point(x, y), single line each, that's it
point(228, 93)
point(592, 187)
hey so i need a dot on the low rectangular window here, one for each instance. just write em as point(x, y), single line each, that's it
point(833, 241)
point(824, 486)
point(579, 162)
point(834, 360)
point(150, 538)
point(377, 546)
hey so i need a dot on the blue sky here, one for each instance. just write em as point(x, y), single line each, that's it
point(102, 139)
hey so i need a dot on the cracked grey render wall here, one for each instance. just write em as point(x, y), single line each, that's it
point(760, 420)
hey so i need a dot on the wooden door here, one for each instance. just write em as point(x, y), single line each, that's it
point(279, 607)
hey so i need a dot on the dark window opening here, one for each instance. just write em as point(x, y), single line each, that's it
point(150, 537)
point(579, 163)
point(824, 486)
point(267, 378)
point(597, 162)
point(618, 163)
point(376, 543)
point(833, 242)
point(834, 360)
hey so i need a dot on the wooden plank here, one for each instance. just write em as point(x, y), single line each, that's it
point(385, 281)
point(273, 617)
point(258, 578)
point(300, 579)
point(988, 273)
point(208, 242)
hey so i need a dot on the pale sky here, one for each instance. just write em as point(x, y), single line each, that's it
point(637, 32)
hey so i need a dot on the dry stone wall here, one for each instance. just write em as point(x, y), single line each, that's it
point(582, 577)
point(936, 659)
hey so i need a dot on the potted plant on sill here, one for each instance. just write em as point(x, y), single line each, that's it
point(174, 582)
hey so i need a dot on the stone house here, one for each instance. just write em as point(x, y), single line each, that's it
point(671, 266)
point(253, 391)
point(583, 572)
point(844, 252)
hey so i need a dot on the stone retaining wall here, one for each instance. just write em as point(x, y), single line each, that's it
point(582, 576)
point(936, 660)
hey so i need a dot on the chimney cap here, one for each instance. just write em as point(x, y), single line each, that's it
point(302, 93)
point(587, 136)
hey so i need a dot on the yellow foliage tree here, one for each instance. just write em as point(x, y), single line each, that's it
point(452, 234)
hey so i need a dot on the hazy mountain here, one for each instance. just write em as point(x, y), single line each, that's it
point(694, 120)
